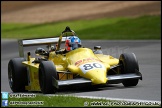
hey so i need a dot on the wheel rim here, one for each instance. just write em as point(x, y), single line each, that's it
point(10, 76)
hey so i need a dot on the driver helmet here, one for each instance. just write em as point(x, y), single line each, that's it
point(72, 42)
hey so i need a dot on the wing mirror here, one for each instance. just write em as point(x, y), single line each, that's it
point(97, 50)
point(97, 47)
point(40, 51)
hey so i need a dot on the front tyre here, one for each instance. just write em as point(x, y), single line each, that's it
point(17, 75)
point(47, 71)
point(129, 64)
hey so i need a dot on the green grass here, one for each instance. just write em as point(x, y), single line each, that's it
point(71, 101)
point(145, 27)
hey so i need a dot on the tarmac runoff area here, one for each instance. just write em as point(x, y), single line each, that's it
point(148, 53)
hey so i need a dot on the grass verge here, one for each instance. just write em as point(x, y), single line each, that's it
point(144, 27)
point(70, 101)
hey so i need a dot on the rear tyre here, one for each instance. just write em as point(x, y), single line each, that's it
point(47, 71)
point(129, 64)
point(17, 75)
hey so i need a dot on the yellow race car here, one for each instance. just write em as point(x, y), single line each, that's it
point(57, 67)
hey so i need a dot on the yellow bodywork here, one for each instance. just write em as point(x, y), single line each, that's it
point(33, 73)
point(81, 61)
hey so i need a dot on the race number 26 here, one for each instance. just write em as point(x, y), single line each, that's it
point(89, 66)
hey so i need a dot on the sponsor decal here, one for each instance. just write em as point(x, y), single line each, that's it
point(79, 62)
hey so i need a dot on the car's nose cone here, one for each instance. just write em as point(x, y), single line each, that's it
point(97, 76)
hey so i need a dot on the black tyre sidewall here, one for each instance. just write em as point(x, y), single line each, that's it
point(19, 74)
point(129, 65)
point(47, 71)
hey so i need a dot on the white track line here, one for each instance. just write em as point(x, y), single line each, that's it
point(119, 99)
point(107, 98)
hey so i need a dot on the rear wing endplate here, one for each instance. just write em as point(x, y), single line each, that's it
point(32, 42)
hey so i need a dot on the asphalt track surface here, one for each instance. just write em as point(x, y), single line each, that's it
point(148, 53)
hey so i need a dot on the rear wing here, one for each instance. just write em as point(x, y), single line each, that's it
point(32, 42)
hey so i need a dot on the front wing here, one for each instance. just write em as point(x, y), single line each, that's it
point(112, 79)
